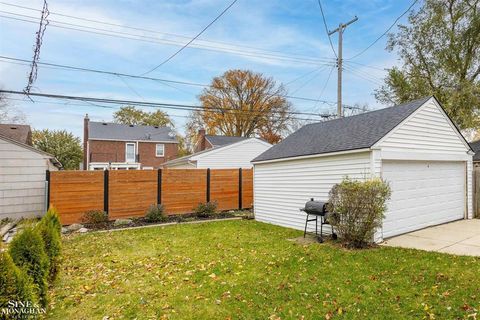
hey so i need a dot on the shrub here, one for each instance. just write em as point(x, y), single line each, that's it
point(52, 217)
point(96, 217)
point(207, 209)
point(14, 284)
point(155, 213)
point(27, 250)
point(358, 208)
point(53, 243)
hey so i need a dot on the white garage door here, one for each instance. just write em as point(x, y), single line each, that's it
point(423, 194)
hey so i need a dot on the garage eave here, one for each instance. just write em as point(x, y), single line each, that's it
point(329, 154)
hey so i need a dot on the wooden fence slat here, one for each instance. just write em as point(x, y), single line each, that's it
point(73, 193)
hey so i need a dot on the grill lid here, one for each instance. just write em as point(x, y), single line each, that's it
point(315, 207)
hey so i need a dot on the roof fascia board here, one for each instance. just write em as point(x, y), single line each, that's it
point(318, 155)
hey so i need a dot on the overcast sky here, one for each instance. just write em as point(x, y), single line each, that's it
point(282, 39)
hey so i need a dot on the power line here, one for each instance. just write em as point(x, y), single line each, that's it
point(175, 106)
point(366, 65)
point(193, 39)
point(325, 85)
point(85, 105)
point(386, 31)
point(326, 28)
point(38, 44)
point(364, 77)
point(55, 65)
point(259, 50)
point(149, 39)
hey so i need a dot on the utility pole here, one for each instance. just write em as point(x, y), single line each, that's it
point(340, 29)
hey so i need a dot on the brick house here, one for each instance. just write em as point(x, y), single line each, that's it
point(125, 147)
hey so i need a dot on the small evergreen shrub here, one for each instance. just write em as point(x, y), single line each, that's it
point(358, 208)
point(52, 217)
point(15, 285)
point(95, 217)
point(155, 213)
point(27, 250)
point(205, 210)
point(53, 244)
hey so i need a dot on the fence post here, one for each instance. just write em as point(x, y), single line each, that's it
point(159, 187)
point(240, 189)
point(105, 191)
point(47, 193)
point(208, 185)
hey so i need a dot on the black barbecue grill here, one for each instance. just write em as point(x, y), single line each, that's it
point(317, 209)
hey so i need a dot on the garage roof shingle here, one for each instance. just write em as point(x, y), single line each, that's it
point(349, 133)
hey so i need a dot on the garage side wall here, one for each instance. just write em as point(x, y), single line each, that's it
point(281, 188)
point(22, 181)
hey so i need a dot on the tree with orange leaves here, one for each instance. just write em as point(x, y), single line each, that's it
point(243, 103)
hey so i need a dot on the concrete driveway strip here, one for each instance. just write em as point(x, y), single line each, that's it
point(459, 237)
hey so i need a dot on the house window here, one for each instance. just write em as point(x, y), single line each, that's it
point(130, 152)
point(160, 150)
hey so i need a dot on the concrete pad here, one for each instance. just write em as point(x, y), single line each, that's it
point(462, 249)
point(473, 241)
point(438, 233)
point(409, 241)
point(460, 237)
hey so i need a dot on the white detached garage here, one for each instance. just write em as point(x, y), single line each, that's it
point(414, 146)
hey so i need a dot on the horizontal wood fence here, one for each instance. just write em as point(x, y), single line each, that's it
point(129, 193)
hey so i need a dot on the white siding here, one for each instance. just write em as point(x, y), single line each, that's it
point(281, 188)
point(237, 155)
point(22, 181)
point(427, 130)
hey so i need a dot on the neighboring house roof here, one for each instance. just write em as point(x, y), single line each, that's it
point(125, 132)
point(476, 148)
point(193, 156)
point(216, 141)
point(18, 132)
point(343, 134)
point(54, 160)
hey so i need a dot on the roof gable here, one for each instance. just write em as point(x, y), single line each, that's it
point(124, 132)
point(18, 132)
point(223, 140)
point(343, 134)
point(429, 127)
point(197, 155)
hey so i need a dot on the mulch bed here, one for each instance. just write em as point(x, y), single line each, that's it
point(139, 222)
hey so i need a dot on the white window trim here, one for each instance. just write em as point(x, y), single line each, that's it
point(163, 150)
point(134, 152)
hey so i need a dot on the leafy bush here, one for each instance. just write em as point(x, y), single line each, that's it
point(53, 243)
point(96, 217)
point(27, 250)
point(155, 213)
point(205, 210)
point(358, 208)
point(14, 284)
point(52, 218)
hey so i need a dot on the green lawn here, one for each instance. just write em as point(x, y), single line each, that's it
point(249, 270)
